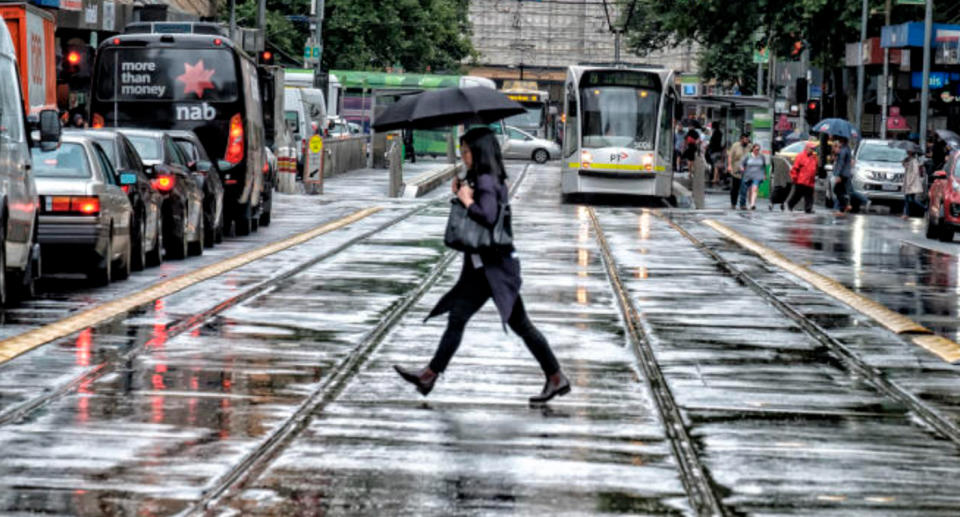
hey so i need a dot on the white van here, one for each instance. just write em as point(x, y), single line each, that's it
point(305, 113)
point(19, 252)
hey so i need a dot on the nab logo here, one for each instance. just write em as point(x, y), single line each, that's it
point(202, 111)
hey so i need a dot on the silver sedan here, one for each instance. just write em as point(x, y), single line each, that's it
point(525, 146)
point(85, 217)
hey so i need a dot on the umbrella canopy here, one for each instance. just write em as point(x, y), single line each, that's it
point(949, 137)
point(836, 127)
point(447, 107)
point(906, 145)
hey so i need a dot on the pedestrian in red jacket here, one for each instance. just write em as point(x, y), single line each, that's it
point(804, 176)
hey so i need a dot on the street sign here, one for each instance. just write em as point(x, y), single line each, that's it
point(761, 56)
point(316, 144)
point(911, 2)
point(311, 52)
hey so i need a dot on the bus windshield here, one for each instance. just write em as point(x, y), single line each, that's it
point(167, 74)
point(619, 116)
point(530, 119)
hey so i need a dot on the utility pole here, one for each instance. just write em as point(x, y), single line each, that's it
point(925, 90)
point(262, 19)
point(858, 109)
point(319, 79)
point(885, 97)
point(233, 20)
point(802, 106)
point(760, 79)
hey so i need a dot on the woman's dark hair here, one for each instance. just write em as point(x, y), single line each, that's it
point(487, 158)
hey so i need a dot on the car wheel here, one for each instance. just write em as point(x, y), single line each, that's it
point(122, 269)
point(155, 257)
point(177, 243)
point(541, 156)
point(209, 229)
point(255, 223)
point(139, 243)
point(242, 226)
point(100, 276)
point(218, 234)
point(196, 247)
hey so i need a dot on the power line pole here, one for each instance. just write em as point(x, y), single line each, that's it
point(319, 78)
point(233, 20)
point(858, 109)
point(885, 91)
point(262, 19)
point(925, 89)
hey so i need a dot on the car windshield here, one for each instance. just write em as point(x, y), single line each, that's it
point(68, 161)
point(619, 116)
point(148, 148)
point(795, 147)
point(881, 153)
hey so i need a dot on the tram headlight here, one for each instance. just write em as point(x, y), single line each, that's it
point(586, 158)
point(648, 161)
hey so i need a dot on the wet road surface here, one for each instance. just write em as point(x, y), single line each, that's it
point(282, 399)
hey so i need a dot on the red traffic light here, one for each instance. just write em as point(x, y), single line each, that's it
point(267, 55)
point(73, 57)
point(812, 106)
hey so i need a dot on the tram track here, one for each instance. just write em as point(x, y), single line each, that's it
point(850, 360)
point(700, 488)
point(254, 462)
point(22, 410)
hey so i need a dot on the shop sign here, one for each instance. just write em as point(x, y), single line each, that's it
point(71, 5)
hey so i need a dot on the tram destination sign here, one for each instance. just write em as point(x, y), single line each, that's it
point(620, 78)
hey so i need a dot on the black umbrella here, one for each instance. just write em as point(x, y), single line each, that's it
point(949, 137)
point(447, 107)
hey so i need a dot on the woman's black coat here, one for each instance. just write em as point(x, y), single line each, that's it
point(500, 267)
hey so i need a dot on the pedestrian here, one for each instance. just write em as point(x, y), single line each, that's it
point(715, 152)
point(735, 155)
point(78, 120)
point(691, 147)
point(912, 184)
point(490, 274)
point(844, 193)
point(677, 147)
point(753, 167)
point(804, 176)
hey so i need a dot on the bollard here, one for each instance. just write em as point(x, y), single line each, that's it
point(697, 177)
point(395, 160)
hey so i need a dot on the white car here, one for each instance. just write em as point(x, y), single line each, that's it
point(878, 170)
point(525, 146)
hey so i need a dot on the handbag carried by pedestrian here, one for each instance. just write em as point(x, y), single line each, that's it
point(464, 233)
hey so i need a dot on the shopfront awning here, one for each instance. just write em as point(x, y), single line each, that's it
point(911, 34)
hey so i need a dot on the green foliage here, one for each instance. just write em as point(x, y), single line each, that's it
point(416, 35)
point(282, 34)
point(727, 30)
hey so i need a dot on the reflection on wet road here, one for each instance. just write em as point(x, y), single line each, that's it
point(170, 407)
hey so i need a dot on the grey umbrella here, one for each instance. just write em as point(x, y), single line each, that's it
point(447, 107)
point(949, 137)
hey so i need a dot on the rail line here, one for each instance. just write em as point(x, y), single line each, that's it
point(175, 328)
point(696, 481)
point(848, 358)
point(253, 463)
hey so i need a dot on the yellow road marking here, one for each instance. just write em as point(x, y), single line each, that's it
point(940, 346)
point(892, 320)
point(22, 343)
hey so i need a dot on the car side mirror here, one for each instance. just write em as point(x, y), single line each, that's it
point(940, 174)
point(192, 166)
point(49, 130)
point(128, 178)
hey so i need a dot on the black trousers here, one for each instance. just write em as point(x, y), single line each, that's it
point(734, 190)
point(801, 192)
point(467, 306)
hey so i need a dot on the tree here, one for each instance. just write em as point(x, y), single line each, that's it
point(282, 34)
point(416, 35)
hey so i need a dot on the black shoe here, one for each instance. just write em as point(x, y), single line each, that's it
point(556, 385)
point(423, 380)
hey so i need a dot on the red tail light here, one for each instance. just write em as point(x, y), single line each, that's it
point(97, 121)
point(85, 205)
point(235, 141)
point(164, 182)
point(125, 189)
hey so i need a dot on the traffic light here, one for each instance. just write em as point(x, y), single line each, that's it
point(801, 90)
point(76, 65)
point(798, 47)
point(266, 58)
point(813, 111)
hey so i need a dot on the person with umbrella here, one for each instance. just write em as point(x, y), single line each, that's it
point(912, 178)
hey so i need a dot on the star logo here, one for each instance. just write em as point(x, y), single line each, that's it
point(196, 79)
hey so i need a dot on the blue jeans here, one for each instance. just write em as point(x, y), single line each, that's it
point(745, 187)
point(911, 199)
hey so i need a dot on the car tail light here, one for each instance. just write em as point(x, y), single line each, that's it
point(86, 205)
point(97, 121)
point(164, 182)
point(235, 141)
point(125, 189)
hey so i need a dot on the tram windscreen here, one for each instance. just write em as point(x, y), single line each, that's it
point(532, 118)
point(619, 116)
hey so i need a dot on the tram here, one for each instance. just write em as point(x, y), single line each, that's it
point(618, 131)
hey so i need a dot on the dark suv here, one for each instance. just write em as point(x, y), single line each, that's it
point(207, 173)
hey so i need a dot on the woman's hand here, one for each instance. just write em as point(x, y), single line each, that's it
point(465, 193)
point(455, 185)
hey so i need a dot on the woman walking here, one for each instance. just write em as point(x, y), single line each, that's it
point(715, 152)
point(490, 274)
point(754, 170)
point(912, 184)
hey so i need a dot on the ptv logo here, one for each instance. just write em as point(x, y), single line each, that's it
point(202, 111)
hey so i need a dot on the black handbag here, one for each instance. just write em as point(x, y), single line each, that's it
point(466, 234)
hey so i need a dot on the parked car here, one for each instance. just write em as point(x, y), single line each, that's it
point(182, 208)
point(207, 173)
point(147, 231)
point(943, 213)
point(878, 171)
point(85, 217)
point(525, 146)
point(19, 251)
